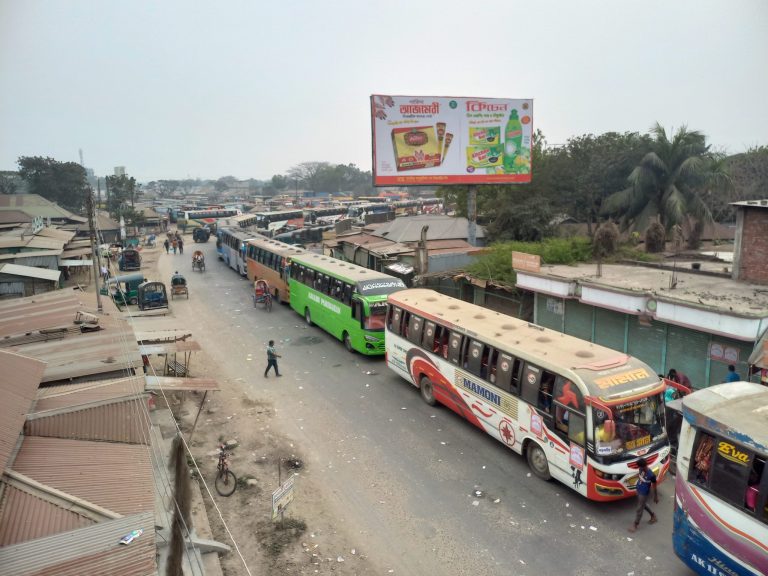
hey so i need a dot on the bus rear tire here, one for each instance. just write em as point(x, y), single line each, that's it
point(427, 390)
point(347, 342)
point(307, 317)
point(537, 461)
point(277, 296)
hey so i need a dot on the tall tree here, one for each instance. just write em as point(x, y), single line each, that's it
point(121, 200)
point(669, 183)
point(308, 174)
point(61, 182)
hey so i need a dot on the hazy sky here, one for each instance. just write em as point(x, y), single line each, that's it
point(176, 89)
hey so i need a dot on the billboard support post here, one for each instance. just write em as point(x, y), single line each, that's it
point(472, 215)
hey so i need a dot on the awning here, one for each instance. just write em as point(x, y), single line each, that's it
point(30, 272)
point(169, 348)
point(158, 383)
point(72, 263)
point(75, 252)
point(162, 335)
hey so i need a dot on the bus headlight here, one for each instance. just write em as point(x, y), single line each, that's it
point(372, 339)
point(607, 476)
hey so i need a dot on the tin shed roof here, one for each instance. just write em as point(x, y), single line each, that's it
point(94, 550)
point(115, 476)
point(69, 395)
point(30, 272)
point(19, 379)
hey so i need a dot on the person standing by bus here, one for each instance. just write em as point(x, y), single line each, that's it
point(646, 482)
point(732, 375)
point(167, 246)
point(272, 357)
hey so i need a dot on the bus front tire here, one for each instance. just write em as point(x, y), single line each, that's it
point(427, 390)
point(307, 317)
point(537, 461)
point(347, 342)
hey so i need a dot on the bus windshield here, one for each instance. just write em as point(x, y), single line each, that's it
point(375, 317)
point(635, 425)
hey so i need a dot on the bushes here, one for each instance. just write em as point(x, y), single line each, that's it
point(496, 265)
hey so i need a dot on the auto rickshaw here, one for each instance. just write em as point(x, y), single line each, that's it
point(201, 234)
point(262, 295)
point(179, 286)
point(124, 288)
point(130, 259)
point(152, 295)
point(198, 261)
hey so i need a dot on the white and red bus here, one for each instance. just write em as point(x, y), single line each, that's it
point(579, 412)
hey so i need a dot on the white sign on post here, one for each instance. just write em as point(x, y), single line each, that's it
point(282, 497)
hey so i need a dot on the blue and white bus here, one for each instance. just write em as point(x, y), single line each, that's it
point(231, 247)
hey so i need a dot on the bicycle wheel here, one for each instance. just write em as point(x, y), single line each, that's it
point(226, 483)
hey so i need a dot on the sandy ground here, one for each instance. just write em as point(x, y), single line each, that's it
point(309, 543)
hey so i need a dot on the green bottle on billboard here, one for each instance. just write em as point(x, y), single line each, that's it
point(513, 141)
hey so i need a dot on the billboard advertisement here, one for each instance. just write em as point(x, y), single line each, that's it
point(431, 140)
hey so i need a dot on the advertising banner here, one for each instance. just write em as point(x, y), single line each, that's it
point(426, 140)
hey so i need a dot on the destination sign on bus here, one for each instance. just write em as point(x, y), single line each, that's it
point(622, 378)
point(380, 286)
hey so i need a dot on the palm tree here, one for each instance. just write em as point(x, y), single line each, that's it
point(669, 183)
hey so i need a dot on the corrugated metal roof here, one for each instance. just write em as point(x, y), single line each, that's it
point(65, 235)
point(46, 243)
point(408, 229)
point(76, 252)
point(94, 550)
point(34, 254)
point(111, 420)
point(156, 383)
point(25, 516)
point(19, 379)
point(67, 395)
point(115, 476)
point(14, 216)
point(84, 354)
point(36, 205)
point(30, 272)
point(170, 347)
point(51, 310)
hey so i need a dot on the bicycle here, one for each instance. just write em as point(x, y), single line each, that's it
point(226, 482)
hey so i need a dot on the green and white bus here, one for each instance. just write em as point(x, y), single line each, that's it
point(345, 300)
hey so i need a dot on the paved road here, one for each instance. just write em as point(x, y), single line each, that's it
point(403, 475)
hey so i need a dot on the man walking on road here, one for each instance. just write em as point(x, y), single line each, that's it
point(646, 481)
point(272, 357)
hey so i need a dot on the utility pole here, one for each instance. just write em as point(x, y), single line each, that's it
point(96, 256)
point(472, 215)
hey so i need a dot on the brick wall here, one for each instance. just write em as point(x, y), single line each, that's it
point(753, 265)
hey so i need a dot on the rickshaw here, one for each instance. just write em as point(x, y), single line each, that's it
point(152, 295)
point(198, 261)
point(262, 295)
point(179, 286)
point(124, 288)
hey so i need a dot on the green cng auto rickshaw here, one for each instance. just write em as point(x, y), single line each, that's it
point(124, 288)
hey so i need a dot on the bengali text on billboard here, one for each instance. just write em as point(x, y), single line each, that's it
point(426, 140)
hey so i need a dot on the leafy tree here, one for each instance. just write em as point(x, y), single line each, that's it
point(121, 197)
point(8, 183)
point(61, 182)
point(220, 185)
point(308, 174)
point(669, 182)
point(749, 178)
point(280, 182)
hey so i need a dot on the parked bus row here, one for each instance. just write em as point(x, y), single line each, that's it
point(345, 300)
point(579, 412)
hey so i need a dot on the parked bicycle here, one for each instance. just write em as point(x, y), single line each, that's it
point(226, 482)
point(262, 294)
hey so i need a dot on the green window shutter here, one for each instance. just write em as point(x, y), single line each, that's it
point(610, 329)
point(718, 369)
point(687, 351)
point(647, 342)
point(578, 320)
point(549, 312)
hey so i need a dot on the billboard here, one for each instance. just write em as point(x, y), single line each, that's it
point(431, 140)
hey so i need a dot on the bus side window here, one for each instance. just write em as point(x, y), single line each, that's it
point(530, 384)
point(347, 299)
point(428, 340)
point(492, 365)
point(394, 319)
point(454, 347)
point(546, 389)
point(729, 479)
point(414, 329)
point(473, 360)
point(503, 372)
point(702, 460)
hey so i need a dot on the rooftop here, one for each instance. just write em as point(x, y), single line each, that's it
point(408, 229)
point(675, 285)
